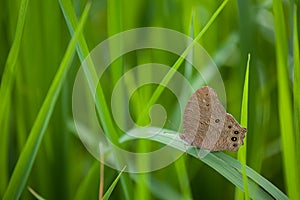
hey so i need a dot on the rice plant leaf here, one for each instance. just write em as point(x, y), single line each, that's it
point(260, 180)
point(89, 181)
point(6, 86)
point(29, 152)
point(289, 150)
point(113, 185)
point(242, 154)
point(296, 83)
point(114, 23)
point(227, 166)
point(177, 64)
point(180, 164)
point(83, 52)
point(156, 186)
point(101, 105)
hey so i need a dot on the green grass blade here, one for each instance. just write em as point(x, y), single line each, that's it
point(83, 52)
point(114, 26)
point(227, 166)
point(296, 83)
point(112, 186)
point(177, 64)
point(63, 168)
point(180, 165)
point(242, 154)
point(291, 167)
point(114, 23)
point(84, 189)
point(183, 179)
point(6, 87)
point(256, 177)
point(28, 154)
point(156, 186)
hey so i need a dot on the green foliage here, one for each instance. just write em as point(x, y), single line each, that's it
point(296, 82)
point(28, 154)
point(7, 82)
point(223, 164)
point(242, 154)
point(288, 136)
point(112, 186)
point(40, 149)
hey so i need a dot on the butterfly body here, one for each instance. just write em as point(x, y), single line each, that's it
point(207, 125)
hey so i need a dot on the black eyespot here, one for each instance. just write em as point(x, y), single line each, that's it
point(235, 145)
point(234, 139)
point(217, 120)
point(207, 104)
point(236, 132)
point(229, 126)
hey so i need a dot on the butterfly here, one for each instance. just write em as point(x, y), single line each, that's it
point(207, 125)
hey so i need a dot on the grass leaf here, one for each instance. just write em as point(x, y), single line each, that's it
point(227, 166)
point(28, 155)
point(113, 185)
point(296, 84)
point(84, 189)
point(101, 105)
point(242, 154)
point(177, 64)
point(7, 82)
point(291, 167)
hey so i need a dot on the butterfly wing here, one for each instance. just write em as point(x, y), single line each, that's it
point(205, 121)
point(233, 134)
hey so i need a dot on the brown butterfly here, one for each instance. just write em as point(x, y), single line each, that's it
point(207, 125)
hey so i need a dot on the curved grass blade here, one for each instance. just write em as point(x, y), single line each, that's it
point(260, 180)
point(6, 86)
point(29, 152)
point(227, 166)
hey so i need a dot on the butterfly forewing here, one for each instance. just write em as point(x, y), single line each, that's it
point(207, 125)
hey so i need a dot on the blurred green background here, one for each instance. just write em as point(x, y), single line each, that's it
point(64, 169)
